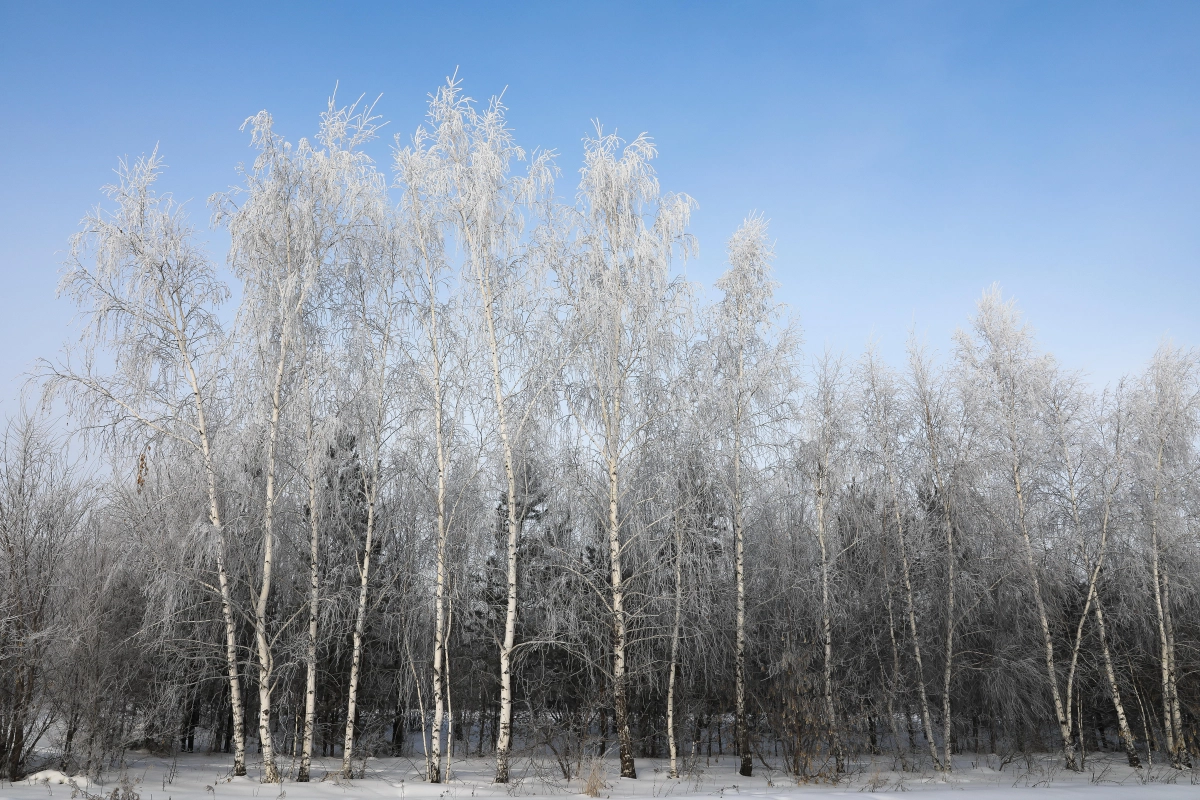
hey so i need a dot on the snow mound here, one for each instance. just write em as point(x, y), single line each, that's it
point(49, 776)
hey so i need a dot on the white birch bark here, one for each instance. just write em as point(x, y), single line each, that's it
point(512, 517)
point(214, 516)
point(753, 372)
point(835, 738)
point(1070, 467)
point(434, 767)
point(620, 696)
point(1131, 753)
point(894, 683)
point(314, 595)
point(419, 172)
point(672, 739)
point(360, 617)
point(1003, 359)
point(826, 436)
point(1110, 489)
point(1168, 419)
point(622, 312)
point(1164, 413)
point(880, 396)
point(261, 635)
point(1180, 757)
point(1064, 723)
point(372, 479)
point(739, 567)
point(924, 396)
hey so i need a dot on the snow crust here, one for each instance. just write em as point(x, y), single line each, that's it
point(208, 777)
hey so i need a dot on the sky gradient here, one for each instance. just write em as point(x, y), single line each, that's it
point(908, 154)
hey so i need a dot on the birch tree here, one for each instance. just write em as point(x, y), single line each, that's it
point(422, 180)
point(752, 379)
point(824, 449)
point(620, 302)
point(1013, 381)
point(150, 298)
point(938, 435)
point(1112, 424)
point(1168, 417)
point(480, 458)
point(314, 441)
point(486, 207)
point(1068, 410)
point(301, 206)
point(376, 307)
point(885, 423)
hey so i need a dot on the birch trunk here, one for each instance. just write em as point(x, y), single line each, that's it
point(265, 663)
point(827, 634)
point(947, 672)
point(433, 766)
point(310, 676)
point(504, 741)
point(433, 760)
point(372, 478)
point(1131, 753)
point(1064, 725)
point(1180, 758)
point(1092, 592)
point(1171, 729)
point(620, 699)
point(1164, 647)
point(671, 737)
point(742, 732)
point(881, 421)
point(894, 684)
point(214, 517)
point(421, 705)
point(1094, 573)
point(360, 619)
point(513, 524)
point(1126, 735)
point(449, 705)
point(235, 684)
point(926, 722)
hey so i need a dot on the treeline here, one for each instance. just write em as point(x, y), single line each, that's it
point(475, 471)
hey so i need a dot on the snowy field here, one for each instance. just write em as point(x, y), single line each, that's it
point(207, 777)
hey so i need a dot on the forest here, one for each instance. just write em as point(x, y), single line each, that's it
point(445, 460)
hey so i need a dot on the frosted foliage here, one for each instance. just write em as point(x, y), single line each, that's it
point(145, 290)
point(302, 209)
point(474, 487)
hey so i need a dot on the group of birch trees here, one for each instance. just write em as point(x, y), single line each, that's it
point(474, 471)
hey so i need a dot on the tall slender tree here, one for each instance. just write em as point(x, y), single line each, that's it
point(825, 446)
point(486, 207)
point(752, 374)
point(1168, 420)
point(620, 302)
point(885, 424)
point(942, 443)
point(151, 298)
point(1013, 381)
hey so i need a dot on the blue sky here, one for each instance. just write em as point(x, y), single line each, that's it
point(908, 154)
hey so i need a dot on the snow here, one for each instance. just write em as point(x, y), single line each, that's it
point(49, 776)
point(207, 777)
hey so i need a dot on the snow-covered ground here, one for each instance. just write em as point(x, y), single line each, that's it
point(207, 777)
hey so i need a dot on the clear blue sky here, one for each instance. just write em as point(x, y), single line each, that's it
point(908, 154)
